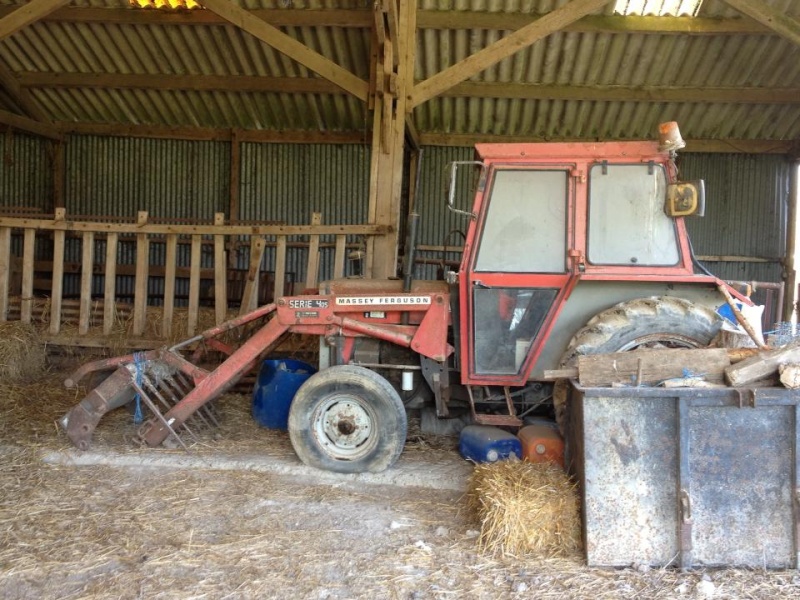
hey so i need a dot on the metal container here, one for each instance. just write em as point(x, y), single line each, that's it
point(484, 443)
point(687, 477)
point(277, 383)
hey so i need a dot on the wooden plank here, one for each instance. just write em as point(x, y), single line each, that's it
point(761, 12)
point(169, 132)
point(194, 284)
point(171, 259)
point(110, 284)
point(361, 18)
point(26, 295)
point(5, 270)
point(29, 125)
point(274, 37)
point(250, 294)
point(164, 229)
point(763, 364)
point(59, 174)
point(339, 256)
point(649, 367)
point(555, 374)
point(620, 93)
point(280, 267)
point(220, 273)
point(312, 267)
point(729, 146)
point(26, 14)
point(503, 48)
point(87, 259)
point(57, 288)
point(140, 286)
point(20, 96)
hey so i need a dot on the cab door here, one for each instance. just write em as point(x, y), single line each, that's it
point(518, 274)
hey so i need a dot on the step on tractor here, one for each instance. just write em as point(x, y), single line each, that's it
point(569, 249)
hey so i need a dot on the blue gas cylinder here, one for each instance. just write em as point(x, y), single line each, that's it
point(277, 383)
point(483, 443)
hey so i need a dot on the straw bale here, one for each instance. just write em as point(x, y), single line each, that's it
point(22, 353)
point(525, 509)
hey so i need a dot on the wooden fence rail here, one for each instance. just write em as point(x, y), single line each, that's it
point(222, 237)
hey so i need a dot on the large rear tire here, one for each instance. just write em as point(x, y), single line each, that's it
point(658, 322)
point(347, 419)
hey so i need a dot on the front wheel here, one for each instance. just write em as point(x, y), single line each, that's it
point(347, 419)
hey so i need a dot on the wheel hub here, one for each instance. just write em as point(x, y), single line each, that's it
point(343, 426)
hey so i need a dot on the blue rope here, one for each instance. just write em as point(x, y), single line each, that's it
point(138, 361)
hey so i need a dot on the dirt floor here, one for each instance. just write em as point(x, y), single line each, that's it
point(120, 529)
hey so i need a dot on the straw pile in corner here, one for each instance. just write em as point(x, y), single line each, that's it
point(22, 353)
point(525, 509)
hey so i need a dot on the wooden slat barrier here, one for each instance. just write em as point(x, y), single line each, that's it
point(57, 237)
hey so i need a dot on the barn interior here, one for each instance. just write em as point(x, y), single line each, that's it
point(169, 165)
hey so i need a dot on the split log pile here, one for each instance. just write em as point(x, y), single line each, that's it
point(706, 367)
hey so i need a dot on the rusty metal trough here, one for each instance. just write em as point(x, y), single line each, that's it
point(688, 477)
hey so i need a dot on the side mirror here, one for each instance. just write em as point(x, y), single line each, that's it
point(686, 199)
point(451, 185)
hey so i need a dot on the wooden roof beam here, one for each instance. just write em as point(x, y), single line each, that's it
point(503, 48)
point(27, 14)
point(20, 96)
point(289, 46)
point(717, 146)
point(427, 19)
point(467, 89)
point(29, 125)
point(760, 11)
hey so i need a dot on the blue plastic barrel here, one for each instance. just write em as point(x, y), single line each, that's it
point(277, 383)
point(484, 443)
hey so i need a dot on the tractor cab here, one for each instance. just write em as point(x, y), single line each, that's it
point(546, 216)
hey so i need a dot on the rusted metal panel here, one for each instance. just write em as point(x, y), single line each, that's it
point(687, 477)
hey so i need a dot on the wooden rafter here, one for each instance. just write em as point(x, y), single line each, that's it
point(467, 89)
point(503, 48)
point(29, 125)
point(716, 146)
point(20, 96)
point(27, 14)
point(426, 19)
point(213, 134)
point(289, 46)
point(760, 11)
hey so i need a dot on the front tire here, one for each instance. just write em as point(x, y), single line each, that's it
point(665, 322)
point(347, 419)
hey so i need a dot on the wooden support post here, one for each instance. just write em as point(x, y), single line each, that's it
point(388, 127)
point(57, 285)
point(312, 268)
point(59, 174)
point(26, 294)
point(194, 284)
point(234, 193)
point(220, 272)
point(339, 256)
point(169, 285)
point(250, 294)
point(5, 270)
point(280, 266)
point(110, 285)
point(87, 267)
point(140, 287)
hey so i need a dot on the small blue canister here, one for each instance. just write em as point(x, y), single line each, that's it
point(484, 443)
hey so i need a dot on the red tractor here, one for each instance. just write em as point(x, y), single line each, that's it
point(571, 248)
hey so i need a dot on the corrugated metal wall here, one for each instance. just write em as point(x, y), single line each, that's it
point(26, 174)
point(438, 225)
point(168, 178)
point(289, 182)
point(747, 206)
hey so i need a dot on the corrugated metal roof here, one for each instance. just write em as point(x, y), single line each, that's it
point(576, 59)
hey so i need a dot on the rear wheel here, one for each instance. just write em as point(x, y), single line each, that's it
point(664, 322)
point(347, 419)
